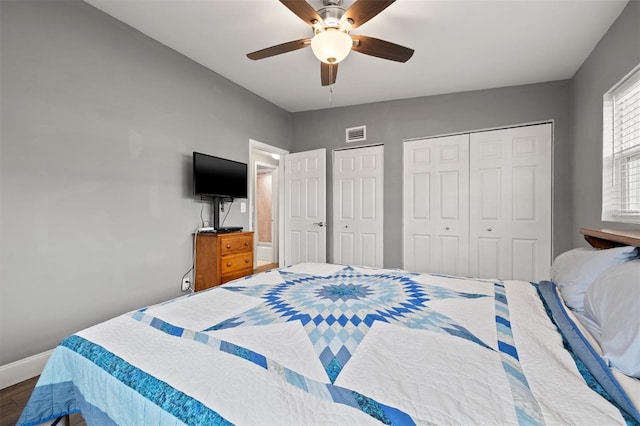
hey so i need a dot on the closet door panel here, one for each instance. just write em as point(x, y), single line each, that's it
point(420, 196)
point(368, 244)
point(344, 207)
point(524, 258)
point(524, 199)
point(488, 250)
point(436, 205)
point(358, 182)
point(510, 202)
point(449, 264)
point(370, 195)
point(346, 247)
point(368, 198)
point(490, 190)
point(450, 195)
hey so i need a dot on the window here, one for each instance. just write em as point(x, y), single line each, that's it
point(621, 151)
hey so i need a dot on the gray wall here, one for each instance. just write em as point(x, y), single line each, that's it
point(614, 57)
point(98, 126)
point(393, 121)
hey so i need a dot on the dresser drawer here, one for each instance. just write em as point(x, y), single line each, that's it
point(230, 244)
point(235, 262)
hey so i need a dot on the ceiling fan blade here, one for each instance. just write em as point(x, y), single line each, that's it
point(363, 10)
point(328, 73)
point(279, 49)
point(303, 10)
point(381, 49)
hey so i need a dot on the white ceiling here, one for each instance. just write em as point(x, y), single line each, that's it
point(460, 45)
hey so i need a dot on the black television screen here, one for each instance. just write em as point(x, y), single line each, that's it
point(220, 177)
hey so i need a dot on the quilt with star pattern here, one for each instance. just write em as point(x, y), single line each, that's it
point(325, 344)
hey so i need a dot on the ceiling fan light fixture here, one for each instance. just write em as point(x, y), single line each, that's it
point(331, 42)
point(331, 45)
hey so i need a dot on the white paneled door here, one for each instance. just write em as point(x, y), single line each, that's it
point(358, 180)
point(436, 205)
point(305, 207)
point(479, 204)
point(510, 204)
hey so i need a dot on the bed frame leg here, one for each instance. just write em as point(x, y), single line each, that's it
point(61, 421)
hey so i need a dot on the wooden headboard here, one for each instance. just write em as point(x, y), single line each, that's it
point(608, 238)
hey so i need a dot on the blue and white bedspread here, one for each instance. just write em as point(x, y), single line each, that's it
point(325, 344)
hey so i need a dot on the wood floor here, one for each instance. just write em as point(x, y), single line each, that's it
point(266, 267)
point(14, 398)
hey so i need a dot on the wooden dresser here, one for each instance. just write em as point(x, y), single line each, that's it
point(222, 257)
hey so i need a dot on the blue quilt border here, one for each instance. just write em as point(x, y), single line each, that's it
point(591, 365)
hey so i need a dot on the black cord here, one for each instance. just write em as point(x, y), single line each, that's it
point(225, 216)
point(187, 273)
point(191, 284)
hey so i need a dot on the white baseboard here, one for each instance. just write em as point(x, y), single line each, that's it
point(23, 369)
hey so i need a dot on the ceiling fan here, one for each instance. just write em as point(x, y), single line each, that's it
point(331, 42)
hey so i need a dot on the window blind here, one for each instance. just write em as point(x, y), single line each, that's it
point(621, 151)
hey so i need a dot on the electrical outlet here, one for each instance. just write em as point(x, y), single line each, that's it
point(186, 284)
point(243, 207)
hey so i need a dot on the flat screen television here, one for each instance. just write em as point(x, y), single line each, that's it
point(219, 177)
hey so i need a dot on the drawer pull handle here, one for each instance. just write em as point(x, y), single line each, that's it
point(228, 264)
point(246, 261)
point(228, 245)
point(246, 244)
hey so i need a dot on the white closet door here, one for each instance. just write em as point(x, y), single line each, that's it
point(510, 204)
point(305, 207)
point(436, 205)
point(358, 180)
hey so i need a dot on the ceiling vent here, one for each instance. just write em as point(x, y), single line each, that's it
point(356, 134)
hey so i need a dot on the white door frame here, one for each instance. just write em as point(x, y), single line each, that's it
point(256, 145)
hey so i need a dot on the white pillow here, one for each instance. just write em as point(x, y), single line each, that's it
point(613, 302)
point(574, 271)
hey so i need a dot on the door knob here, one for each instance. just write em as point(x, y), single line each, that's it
point(489, 229)
point(320, 224)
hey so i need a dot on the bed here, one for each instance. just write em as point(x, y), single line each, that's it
point(335, 344)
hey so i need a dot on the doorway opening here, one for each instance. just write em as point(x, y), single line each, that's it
point(265, 204)
point(266, 214)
